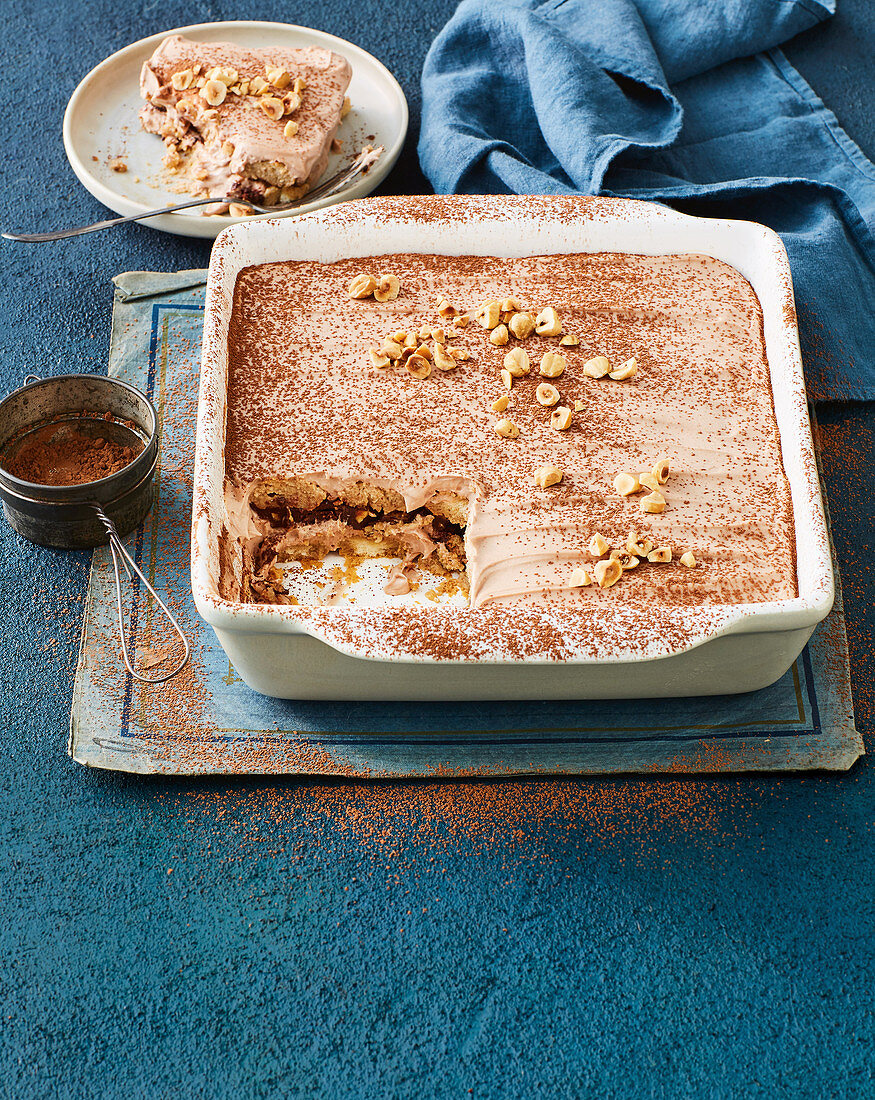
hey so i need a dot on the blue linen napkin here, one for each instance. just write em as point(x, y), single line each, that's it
point(674, 101)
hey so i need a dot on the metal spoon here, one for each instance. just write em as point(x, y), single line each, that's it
point(365, 159)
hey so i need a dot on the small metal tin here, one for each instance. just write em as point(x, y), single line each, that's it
point(62, 515)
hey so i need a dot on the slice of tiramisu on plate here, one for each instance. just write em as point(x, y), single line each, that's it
point(247, 123)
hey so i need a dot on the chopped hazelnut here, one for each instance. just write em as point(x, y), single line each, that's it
point(579, 578)
point(578, 406)
point(461, 355)
point(462, 321)
point(227, 76)
point(660, 554)
point(445, 309)
point(548, 475)
point(661, 469)
point(631, 562)
point(362, 286)
point(379, 358)
point(489, 314)
point(560, 418)
point(607, 573)
point(291, 102)
point(688, 559)
point(627, 370)
point(214, 92)
point(654, 502)
point(500, 403)
point(547, 322)
point(507, 429)
point(546, 394)
point(387, 288)
point(597, 367)
point(633, 546)
point(521, 325)
point(649, 481)
point(598, 546)
point(498, 336)
point(424, 350)
point(552, 364)
point(517, 362)
point(626, 484)
point(290, 128)
point(258, 85)
point(569, 341)
point(438, 335)
point(507, 379)
point(392, 348)
point(238, 210)
point(300, 84)
point(346, 108)
point(442, 360)
point(272, 107)
point(511, 305)
point(279, 78)
point(418, 366)
point(182, 80)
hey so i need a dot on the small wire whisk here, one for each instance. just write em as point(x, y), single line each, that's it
point(120, 555)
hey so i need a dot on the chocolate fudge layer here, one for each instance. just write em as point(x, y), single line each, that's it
point(308, 405)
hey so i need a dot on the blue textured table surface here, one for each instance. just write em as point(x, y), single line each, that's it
point(632, 938)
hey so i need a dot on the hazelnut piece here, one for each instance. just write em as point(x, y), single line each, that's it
point(516, 362)
point(522, 325)
point(560, 418)
point(607, 573)
point(626, 484)
point(362, 286)
point(507, 429)
point(547, 322)
point(548, 475)
point(597, 367)
point(546, 394)
point(387, 288)
point(552, 364)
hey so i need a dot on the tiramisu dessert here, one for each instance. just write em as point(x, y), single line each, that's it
point(527, 431)
point(247, 123)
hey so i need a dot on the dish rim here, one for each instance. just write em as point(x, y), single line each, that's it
point(801, 612)
point(179, 223)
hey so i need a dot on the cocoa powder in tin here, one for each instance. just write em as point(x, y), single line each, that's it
point(62, 453)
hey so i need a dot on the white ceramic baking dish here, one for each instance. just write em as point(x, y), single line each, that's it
point(343, 653)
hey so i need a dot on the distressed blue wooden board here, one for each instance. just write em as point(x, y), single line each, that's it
point(210, 721)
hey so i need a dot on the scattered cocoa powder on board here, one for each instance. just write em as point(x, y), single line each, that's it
point(62, 454)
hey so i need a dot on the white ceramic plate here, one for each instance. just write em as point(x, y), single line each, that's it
point(102, 123)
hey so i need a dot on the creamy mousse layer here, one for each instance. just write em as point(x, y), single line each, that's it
point(308, 404)
point(249, 123)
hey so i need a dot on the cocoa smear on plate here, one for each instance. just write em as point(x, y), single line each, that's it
point(63, 454)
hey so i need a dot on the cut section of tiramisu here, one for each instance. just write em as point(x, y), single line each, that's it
point(246, 123)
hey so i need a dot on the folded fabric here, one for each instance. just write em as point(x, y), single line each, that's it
point(673, 101)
